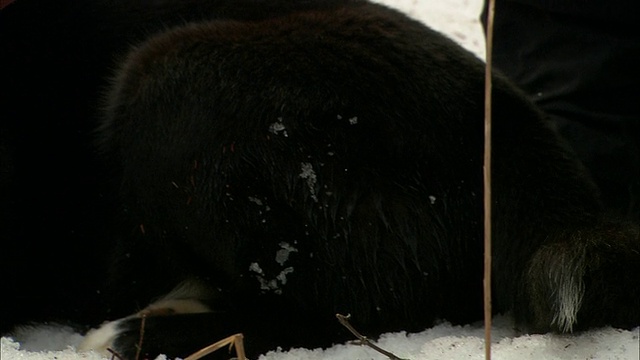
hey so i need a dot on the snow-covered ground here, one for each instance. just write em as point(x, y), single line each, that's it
point(443, 342)
point(459, 20)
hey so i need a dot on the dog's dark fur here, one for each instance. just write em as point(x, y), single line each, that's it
point(293, 161)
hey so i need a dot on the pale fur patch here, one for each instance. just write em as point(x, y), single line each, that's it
point(186, 298)
point(100, 339)
point(569, 293)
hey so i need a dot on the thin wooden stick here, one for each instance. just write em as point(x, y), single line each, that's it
point(114, 354)
point(141, 338)
point(487, 182)
point(363, 340)
point(233, 341)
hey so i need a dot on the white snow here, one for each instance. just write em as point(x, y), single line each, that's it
point(459, 20)
point(278, 127)
point(443, 342)
point(310, 175)
point(282, 255)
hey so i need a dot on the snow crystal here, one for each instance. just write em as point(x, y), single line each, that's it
point(282, 277)
point(310, 175)
point(278, 127)
point(255, 267)
point(283, 254)
point(274, 284)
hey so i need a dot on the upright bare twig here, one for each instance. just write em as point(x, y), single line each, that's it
point(487, 182)
point(143, 321)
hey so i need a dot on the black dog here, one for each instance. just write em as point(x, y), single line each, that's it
point(275, 163)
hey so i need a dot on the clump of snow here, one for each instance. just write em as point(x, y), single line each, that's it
point(275, 284)
point(278, 127)
point(46, 337)
point(309, 174)
point(255, 267)
point(282, 255)
point(12, 350)
point(352, 120)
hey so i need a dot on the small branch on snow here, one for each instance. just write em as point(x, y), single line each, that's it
point(234, 341)
point(363, 340)
point(114, 354)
